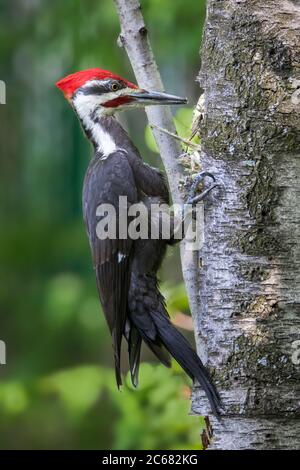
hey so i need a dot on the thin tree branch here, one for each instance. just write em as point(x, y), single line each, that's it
point(134, 37)
point(187, 142)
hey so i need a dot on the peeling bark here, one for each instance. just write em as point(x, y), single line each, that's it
point(250, 276)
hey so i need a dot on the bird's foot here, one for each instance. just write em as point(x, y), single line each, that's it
point(192, 198)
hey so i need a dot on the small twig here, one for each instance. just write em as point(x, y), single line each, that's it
point(181, 139)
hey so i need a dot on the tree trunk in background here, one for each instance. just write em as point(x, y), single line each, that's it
point(250, 277)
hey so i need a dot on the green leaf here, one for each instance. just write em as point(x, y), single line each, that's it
point(13, 397)
point(78, 388)
point(149, 139)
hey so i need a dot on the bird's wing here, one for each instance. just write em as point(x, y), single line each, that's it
point(105, 181)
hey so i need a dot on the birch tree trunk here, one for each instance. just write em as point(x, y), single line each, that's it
point(248, 322)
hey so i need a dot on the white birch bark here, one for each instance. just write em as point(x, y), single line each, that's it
point(250, 281)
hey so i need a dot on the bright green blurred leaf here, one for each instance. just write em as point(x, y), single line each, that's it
point(176, 298)
point(183, 122)
point(79, 388)
point(13, 397)
point(62, 298)
point(150, 141)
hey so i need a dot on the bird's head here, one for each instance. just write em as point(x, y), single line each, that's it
point(102, 92)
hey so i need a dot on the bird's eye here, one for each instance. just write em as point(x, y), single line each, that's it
point(114, 87)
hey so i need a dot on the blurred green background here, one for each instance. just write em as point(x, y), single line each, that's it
point(57, 389)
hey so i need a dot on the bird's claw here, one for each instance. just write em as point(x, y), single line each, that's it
point(192, 199)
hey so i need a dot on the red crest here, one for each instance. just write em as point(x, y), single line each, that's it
point(69, 84)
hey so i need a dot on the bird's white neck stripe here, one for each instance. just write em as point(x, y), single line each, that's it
point(102, 140)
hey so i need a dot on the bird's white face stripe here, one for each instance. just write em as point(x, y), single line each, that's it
point(106, 95)
point(89, 103)
point(85, 106)
point(90, 108)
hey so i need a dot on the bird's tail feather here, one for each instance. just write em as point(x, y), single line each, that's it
point(183, 353)
point(148, 314)
point(134, 340)
point(134, 351)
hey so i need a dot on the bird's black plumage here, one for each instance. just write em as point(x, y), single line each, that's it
point(128, 289)
point(126, 267)
point(104, 182)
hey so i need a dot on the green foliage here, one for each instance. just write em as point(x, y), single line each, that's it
point(13, 398)
point(77, 388)
point(176, 298)
point(63, 295)
point(183, 123)
point(154, 416)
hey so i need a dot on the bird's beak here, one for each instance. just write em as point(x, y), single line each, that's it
point(150, 98)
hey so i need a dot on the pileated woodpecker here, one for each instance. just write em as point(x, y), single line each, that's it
point(126, 268)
